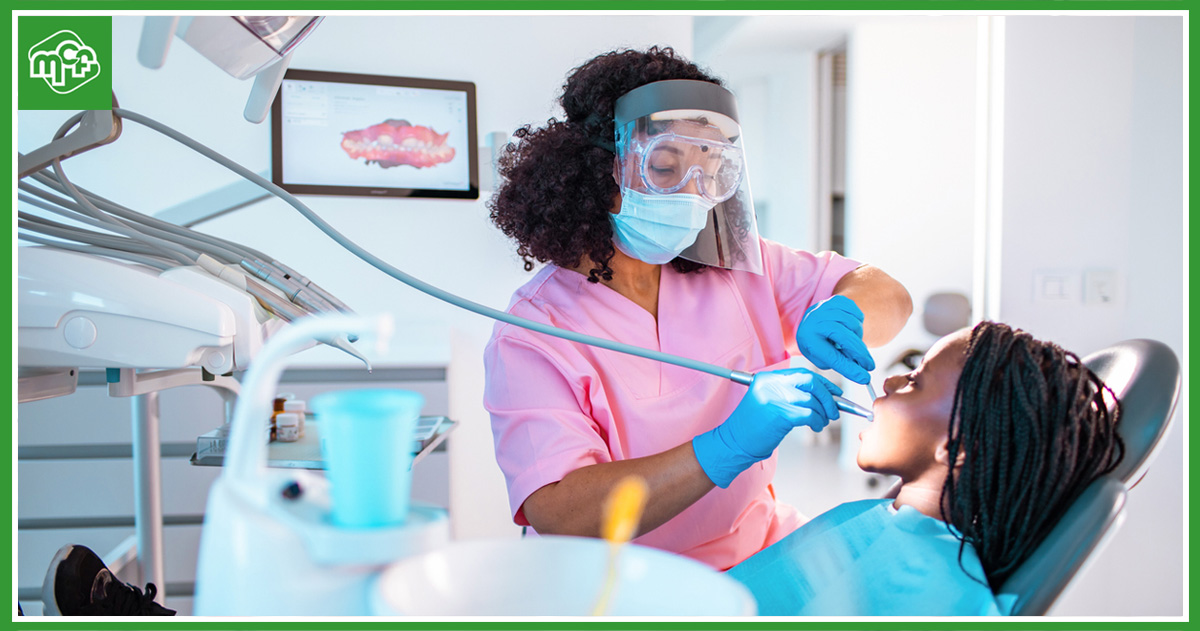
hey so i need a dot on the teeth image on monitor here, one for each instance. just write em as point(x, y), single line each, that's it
point(396, 142)
point(348, 134)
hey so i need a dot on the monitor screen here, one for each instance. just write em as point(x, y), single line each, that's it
point(336, 133)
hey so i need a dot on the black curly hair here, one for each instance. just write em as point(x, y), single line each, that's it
point(558, 186)
point(1033, 422)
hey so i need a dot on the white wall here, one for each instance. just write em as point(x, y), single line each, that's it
point(518, 64)
point(1093, 179)
point(910, 146)
point(910, 166)
point(775, 93)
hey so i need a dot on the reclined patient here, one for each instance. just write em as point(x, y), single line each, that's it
point(993, 437)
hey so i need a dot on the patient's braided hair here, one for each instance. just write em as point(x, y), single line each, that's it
point(1032, 423)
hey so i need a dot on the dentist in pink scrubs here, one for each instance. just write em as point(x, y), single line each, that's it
point(639, 204)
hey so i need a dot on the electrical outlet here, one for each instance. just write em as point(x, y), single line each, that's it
point(1100, 287)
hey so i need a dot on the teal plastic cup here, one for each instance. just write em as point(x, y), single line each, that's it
point(366, 441)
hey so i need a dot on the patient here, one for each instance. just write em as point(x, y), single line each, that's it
point(993, 436)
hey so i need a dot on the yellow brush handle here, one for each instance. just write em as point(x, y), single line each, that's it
point(623, 510)
point(622, 514)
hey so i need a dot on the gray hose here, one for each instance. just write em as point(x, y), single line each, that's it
point(420, 285)
point(229, 252)
point(94, 250)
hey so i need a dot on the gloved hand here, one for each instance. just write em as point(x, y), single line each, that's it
point(777, 401)
point(830, 336)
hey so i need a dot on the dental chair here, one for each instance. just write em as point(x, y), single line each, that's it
point(1144, 374)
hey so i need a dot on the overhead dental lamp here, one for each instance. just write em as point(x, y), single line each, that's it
point(244, 46)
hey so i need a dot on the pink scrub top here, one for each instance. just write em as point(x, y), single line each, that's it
point(557, 406)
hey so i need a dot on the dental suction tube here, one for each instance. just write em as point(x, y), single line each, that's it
point(445, 296)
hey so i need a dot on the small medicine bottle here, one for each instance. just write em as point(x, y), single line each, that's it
point(287, 427)
point(276, 407)
point(300, 408)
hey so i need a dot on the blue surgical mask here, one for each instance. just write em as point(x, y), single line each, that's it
point(655, 228)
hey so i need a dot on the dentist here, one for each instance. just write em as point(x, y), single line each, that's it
point(639, 204)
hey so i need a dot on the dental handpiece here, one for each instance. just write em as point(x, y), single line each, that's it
point(845, 405)
point(851, 407)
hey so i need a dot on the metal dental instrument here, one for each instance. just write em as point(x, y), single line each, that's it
point(851, 407)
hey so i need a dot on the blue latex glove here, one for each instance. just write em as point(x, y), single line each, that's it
point(777, 401)
point(830, 336)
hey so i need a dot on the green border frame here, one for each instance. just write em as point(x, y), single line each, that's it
point(612, 5)
point(1050, 7)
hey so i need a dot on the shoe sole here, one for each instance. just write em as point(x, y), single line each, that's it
point(49, 602)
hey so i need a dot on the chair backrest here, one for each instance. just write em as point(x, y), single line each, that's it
point(1075, 538)
point(1144, 374)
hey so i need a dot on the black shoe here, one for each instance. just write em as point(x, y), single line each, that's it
point(79, 584)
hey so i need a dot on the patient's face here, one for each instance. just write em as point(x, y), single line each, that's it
point(913, 415)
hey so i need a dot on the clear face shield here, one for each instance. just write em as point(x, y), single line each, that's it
point(682, 139)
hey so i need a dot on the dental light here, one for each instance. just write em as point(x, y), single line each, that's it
point(244, 46)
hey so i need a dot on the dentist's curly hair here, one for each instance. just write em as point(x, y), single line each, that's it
point(558, 182)
point(1035, 430)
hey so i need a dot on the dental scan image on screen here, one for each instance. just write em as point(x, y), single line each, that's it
point(342, 134)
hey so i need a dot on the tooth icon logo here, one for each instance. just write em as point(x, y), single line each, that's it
point(63, 61)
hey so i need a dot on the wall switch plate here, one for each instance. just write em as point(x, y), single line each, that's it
point(1053, 286)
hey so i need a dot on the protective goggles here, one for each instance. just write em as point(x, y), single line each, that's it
point(670, 163)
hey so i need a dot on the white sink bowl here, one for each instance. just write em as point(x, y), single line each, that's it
point(553, 576)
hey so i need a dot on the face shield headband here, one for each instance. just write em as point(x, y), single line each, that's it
point(682, 137)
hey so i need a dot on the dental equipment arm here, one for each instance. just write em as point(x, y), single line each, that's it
point(161, 234)
point(148, 261)
point(296, 288)
point(96, 127)
point(159, 244)
point(299, 288)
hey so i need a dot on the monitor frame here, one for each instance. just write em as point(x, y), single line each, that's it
point(277, 157)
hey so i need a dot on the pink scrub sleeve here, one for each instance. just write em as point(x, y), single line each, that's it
point(800, 280)
point(537, 415)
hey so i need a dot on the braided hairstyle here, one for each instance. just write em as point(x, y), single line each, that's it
point(558, 180)
point(1035, 430)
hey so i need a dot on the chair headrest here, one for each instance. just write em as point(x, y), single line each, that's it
point(1144, 374)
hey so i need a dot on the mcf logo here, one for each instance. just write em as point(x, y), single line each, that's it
point(63, 61)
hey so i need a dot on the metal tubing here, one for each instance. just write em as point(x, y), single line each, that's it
point(147, 484)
